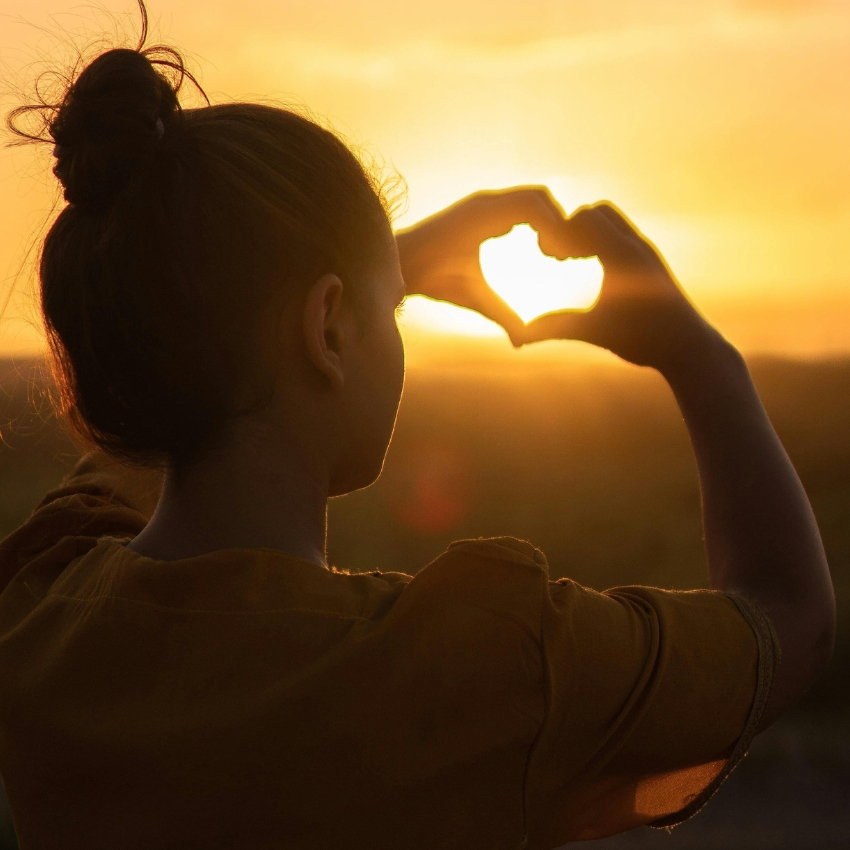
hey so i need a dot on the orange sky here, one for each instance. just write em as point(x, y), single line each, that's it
point(722, 128)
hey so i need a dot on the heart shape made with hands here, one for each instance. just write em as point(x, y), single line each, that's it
point(534, 284)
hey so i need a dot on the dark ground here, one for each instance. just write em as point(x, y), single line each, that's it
point(592, 464)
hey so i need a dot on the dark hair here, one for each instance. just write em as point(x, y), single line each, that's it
point(186, 232)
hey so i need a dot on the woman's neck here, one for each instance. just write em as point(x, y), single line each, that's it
point(257, 492)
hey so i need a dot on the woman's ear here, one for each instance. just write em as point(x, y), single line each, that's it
point(324, 327)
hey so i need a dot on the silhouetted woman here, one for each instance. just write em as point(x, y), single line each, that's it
point(179, 666)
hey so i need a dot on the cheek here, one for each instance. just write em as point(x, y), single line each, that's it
point(379, 378)
point(376, 406)
point(398, 359)
point(390, 367)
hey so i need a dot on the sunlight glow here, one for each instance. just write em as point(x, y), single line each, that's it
point(531, 282)
point(682, 114)
point(424, 315)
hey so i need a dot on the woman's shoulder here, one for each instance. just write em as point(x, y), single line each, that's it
point(491, 559)
point(502, 578)
point(502, 549)
point(83, 518)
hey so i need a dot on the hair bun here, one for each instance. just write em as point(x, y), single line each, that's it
point(109, 126)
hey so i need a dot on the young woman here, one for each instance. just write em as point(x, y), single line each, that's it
point(180, 666)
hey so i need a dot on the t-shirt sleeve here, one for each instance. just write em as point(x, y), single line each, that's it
point(651, 698)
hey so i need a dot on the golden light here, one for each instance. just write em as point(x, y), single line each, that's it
point(596, 105)
point(531, 282)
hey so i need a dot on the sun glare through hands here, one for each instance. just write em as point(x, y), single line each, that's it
point(531, 282)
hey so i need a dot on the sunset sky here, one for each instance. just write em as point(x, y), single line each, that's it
point(722, 128)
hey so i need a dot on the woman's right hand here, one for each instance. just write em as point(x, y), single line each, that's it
point(642, 313)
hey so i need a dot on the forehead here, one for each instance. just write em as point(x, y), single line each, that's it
point(387, 280)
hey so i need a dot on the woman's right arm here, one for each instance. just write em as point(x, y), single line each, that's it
point(761, 536)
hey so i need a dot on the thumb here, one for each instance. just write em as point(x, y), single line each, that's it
point(497, 310)
point(567, 324)
point(491, 305)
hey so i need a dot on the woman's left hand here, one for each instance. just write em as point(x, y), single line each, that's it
point(439, 256)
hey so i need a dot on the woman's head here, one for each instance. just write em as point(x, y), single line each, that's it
point(189, 244)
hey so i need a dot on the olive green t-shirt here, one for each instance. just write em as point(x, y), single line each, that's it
point(251, 699)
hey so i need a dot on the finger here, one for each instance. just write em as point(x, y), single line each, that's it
point(500, 210)
point(623, 223)
point(590, 232)
point(619, 219)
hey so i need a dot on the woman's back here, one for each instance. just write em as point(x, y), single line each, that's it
point(248, 698)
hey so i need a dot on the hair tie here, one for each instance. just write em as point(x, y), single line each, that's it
point(160, 129)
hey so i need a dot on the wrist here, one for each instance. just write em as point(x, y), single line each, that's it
point(708, 356)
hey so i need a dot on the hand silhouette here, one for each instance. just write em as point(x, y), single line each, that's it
point(439, 256)
point(642, 313)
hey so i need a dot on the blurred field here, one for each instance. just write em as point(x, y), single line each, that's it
point(592, 464)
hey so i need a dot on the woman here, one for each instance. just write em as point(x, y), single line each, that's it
point(181, 668)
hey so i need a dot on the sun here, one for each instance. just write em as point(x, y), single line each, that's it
point(531, 282)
